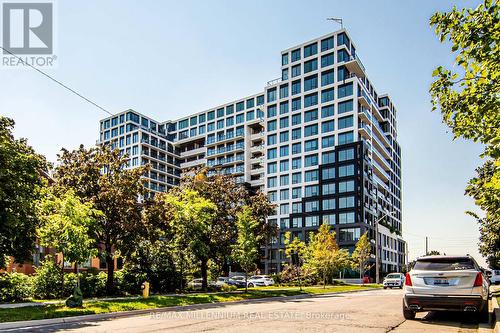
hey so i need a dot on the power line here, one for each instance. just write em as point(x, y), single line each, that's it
point(58, 82)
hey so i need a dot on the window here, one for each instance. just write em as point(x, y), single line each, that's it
point(345, 106)
point(347, 217)
point(271, 95)
point(328, 157)
point(272, 167)
point(327, 95)
point(220, 112)
point(201, 129)
point(211, 115)
point(271, 182)
point(346, 202)
point(328, 204)
point(327, 44)
point(250, 115)
point(297, 222)
point(284, 223)
point(296, 207)
point(311, 175)
point(310, 66)
point(201, 118)
point(311, 160)
point(230, 109)
point(296, 70)
point(328, 126)
point(296, 178)
point(284, 165)
point(193, 121)
point(346, 170)
point(346, 154)
point(345, 90)
point(296, 133)
point(342, 56)
point(296, 87)
point(312, 221)
point(296, 119)
point(328, 173)
point(284, 151)
point(284, 180)
point(329, 219)
point(346, 186)
point(296, 148)
point(295, 55)
point(342, 39)
point(271, 125)
point(347, 137)
point(310, 115)
point(284, 74)
point(284, 91)
point(310, 83)
point(310, 130)
point(327, 78)
point(284, 209)
point(349, 234)
point(310, 50)
point(240, 106)
point(220, 124)
point(296, 104)
point(260, 100)
point(284, 59)
point(345, 122)
point(296, 193)
point(311, 145)
point(271, 139)
point(182, 124)
point(240, 118)
point(327, 111)
point(271, 111)
point(284, 194)
point(328, 141)
point(310, 100)
point(328, 188)
point(272, 153)
point(311, 206)
point(311, 191)
point(327, 60)
point(296, 163)
point(283, 107)
point(284, 122)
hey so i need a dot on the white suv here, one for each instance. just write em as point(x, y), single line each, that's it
point(260, 280)
point(454, 283)
point(394, 280)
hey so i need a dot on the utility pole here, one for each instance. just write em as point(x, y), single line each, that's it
point(426, 245)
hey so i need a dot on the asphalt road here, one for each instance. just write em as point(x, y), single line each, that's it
point(371, 311)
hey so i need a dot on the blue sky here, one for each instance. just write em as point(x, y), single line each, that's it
point(171, 58)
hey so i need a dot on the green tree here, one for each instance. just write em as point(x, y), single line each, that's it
point(469, 100)
point(21, 180)
point(189, 215)
point(433, 253)
point(99, 176)
point(67, 225)
point(246, 248)
point(296, 250)
point(324, 255)
point(362, 254)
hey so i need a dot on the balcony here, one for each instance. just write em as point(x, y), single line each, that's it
point(380, 172)
point(223, 150)
point(376, 113)
point(193, 152)
point(365, 115)
point(383, 162)
point(226, 137)
point(354, 65)
point(378, 144)
point(257, 136)
point(365, 131)
point(191, 164)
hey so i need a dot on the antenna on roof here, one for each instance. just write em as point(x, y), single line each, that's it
point(338, 20)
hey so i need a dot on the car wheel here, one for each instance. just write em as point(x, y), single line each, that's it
point(385, 287)
point(400, 287)
point(250, 285)
point(484, 314)
point(407, 313)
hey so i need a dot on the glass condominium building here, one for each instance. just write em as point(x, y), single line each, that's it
point(319, 140)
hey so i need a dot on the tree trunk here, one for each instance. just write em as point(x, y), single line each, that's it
point(204, 275)
point(246, 282)
point(75, 268)
point(62, 274)
point(111, 269)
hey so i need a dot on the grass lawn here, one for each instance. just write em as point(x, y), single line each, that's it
point(59, 310)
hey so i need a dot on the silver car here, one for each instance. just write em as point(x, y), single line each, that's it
point(394, 280)
point(450, 283)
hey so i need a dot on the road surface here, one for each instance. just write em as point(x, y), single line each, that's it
point(370, 311)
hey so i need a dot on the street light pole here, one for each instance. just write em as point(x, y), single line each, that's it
point(377, 252)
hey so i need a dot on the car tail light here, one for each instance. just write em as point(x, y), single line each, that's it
point(408, 280)
point(478, 282)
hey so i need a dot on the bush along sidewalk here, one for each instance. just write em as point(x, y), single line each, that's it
point(103, 306)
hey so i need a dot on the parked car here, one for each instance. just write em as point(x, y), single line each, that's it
point(495, 276)
point(261, 280)
point(239, 281)
point(222, 280)
point(394, 280)
point(196, 284)
point(450, 283)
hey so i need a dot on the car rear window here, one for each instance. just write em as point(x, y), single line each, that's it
point(393, 276)
point(444, 264)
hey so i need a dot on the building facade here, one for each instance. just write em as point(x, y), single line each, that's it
point(319, 140)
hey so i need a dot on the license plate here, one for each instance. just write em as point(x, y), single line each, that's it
point(441, 282)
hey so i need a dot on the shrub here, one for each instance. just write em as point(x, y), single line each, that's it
point(15, 287)
point(47, 280)
point(227, 287)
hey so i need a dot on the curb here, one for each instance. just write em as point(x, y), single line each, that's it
point(152, 311)
point(496, 315)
